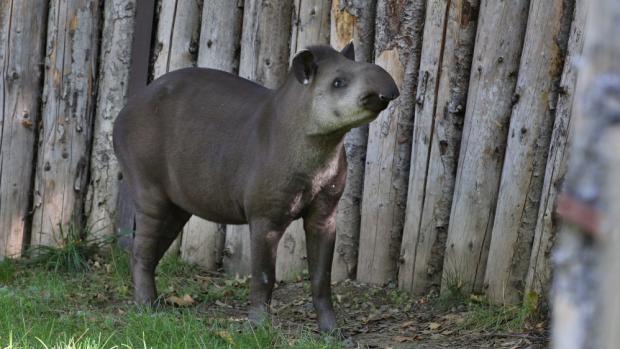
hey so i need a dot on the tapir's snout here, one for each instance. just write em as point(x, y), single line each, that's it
point(382, 90)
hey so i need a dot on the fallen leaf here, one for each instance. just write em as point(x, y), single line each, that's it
point(184, 301)
point(225, 335)
point(402, 339)
point(434, 326)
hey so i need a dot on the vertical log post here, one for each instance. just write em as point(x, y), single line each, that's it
point(397, 49)
point(117, 36)
point(539, 272)
point(499, 40)
point(264, 58)
point(531, 124)
point(22, 42)
point(310, 26)
point(352, 21)
point(445, 66)
point(67, 116)
point(220, 36)
point(585, 285)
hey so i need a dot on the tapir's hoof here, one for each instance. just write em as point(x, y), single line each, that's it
point(327, 323)
point(259, 316)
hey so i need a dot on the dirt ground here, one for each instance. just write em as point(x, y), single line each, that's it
point(374, 317)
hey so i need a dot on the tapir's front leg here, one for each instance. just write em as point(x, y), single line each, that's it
point(320, 227)
point(264, 247)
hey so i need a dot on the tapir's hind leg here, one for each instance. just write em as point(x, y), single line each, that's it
point(153, 237)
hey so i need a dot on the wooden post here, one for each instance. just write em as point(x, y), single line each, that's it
point(176, 44)
point(530, 129)
point(117, 36)
point(67, 115)
point(499, 40)
point(203, 241)
point(397, 49)
point(352, 21)
point(264, 58)
point(585, 285)
point(310, 26)
point(539, 272)
point(445, 66)
point(22, 41)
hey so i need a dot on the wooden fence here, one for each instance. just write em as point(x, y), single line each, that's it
point(452, 186)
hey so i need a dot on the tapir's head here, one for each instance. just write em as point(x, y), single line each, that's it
point(342, 93)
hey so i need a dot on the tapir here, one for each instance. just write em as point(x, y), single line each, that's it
point(208, 143)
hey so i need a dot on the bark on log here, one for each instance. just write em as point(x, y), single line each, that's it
point(264, 58)
point(117, 36)
point(582, 289)
point(499, 40)
point(67, 115)
point(22, 42)
point(352, 21)
point(539, 271)
point(399, 27)
point(310, 26)
point(203, 241)
point(447, 52)
point(177, 36)
point(220, 36)
point(529, 135)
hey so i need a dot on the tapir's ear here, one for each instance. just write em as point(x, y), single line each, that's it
point(304, 66)
point(349, 51)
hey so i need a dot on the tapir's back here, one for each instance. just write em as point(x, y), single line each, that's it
point(191, 123)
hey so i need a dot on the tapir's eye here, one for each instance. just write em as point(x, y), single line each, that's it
point(338, 82)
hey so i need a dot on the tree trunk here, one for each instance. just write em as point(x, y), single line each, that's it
point(447, 51)
point(399, 28)
point(67, 115)
point(264, 58)
point(539, 272)
point(495, 65)
point(310, 26)
point(585, 286)
point(203, 241)
point(117, 36)
point(22, 41)
point(352, 21)
point(530, 130)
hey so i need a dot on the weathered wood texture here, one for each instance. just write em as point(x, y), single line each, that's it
point(352, 21)
point(264, 58)
point(220, 35)
point(611, 258)
point(22, 42)
point(497, 51)
point(539, 272)
point(397, 49)
point(178, 29)
point(531, 124)
point(577, 301)
point(203, 241)
point(445, 66)
point(114, 60)
point(67, 116)
point(310, 26)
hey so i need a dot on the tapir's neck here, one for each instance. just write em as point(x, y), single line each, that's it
point(289, 109)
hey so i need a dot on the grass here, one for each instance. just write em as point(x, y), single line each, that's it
point(80, 297)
